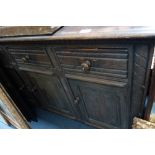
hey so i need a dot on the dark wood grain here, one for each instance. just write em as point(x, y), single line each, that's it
point(30, 56)
point(83, 33)
point(7, 31)
point(87, 75)
point(51, 91)
point(143, 53)
point(104, 61)
point(102, 105)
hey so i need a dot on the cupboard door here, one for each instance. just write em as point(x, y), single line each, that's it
point(104, 106)
point(50, 92)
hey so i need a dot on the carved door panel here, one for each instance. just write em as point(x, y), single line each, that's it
point(100, 78)
point(105, 106)
point(49, 92)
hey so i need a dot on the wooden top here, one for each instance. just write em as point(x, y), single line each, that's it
point(104, 32)
point(38, 33)
point(9, 31)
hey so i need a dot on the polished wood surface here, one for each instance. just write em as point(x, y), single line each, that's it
point(10, 31)
point(75, 33)
point(104, 32)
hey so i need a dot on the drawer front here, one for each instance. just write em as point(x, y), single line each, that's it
point(101, 62)
point(31, 57)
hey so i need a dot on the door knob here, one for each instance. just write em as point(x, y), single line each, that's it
point(76, 101)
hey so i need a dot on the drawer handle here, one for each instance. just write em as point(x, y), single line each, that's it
point(86, 66)
point(25, 59)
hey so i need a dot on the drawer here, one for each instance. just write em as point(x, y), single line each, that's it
point(30, 57)
point(98, 62)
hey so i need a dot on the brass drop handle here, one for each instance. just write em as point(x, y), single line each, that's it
point(25, 59)
point(86, 65)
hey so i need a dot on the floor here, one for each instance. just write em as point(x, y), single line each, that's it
point(48, 120)
point(3, 125)
point(153, 108)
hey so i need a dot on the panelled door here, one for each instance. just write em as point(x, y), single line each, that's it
point(100, 79)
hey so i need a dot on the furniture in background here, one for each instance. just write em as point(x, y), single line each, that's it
point(10, 112)
point(149, 113)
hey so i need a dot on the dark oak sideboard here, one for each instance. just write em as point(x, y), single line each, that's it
point(102, 82)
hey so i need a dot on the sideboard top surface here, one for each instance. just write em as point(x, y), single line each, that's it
point(46, 33)
point(104, 32)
